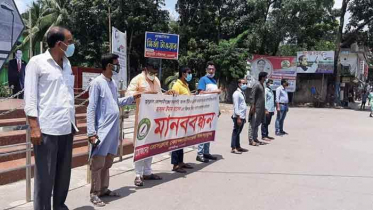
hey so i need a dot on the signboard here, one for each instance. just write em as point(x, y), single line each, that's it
point(87, 77)
point(315, 62)
point(277, 67)
point(168, 123)
point(10, 28)
point(162, 46)
point(119, 47)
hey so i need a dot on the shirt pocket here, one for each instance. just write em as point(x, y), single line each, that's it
point(70, 80)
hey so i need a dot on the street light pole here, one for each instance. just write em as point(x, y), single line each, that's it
point(110, 35)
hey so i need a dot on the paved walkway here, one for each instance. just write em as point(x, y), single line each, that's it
point(324, 164)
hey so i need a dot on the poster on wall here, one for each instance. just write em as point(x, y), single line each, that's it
point(319, 62)
point(277, 67)
point(11, 28)
point(119, 47)
point(87, 77)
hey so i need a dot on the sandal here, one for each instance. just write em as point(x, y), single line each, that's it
point(187, 166)
point(110, 193)
point(96, 201)
point(139, 182)
point(152, 177)
point(179, 169)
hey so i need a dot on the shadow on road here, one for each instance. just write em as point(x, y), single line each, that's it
point(85, 208)
point(167, 177)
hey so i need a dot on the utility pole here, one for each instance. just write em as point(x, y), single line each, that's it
point(110, 35)
point(31, 53)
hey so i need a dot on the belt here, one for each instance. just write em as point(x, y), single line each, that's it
point(283, 103)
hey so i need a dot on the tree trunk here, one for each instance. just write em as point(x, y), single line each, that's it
point(262, 47)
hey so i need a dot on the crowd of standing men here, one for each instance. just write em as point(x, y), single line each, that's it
point(49, 106)
point(50, 109)
point(263, 105)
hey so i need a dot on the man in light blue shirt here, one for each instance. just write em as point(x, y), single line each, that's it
point(282, 102)
point(269, 110)
point(103, 127)
point(239, 116)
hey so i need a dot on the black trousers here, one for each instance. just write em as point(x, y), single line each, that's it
point(52, 171)
point(266, 123)
point(177, 157)
point(235, 143)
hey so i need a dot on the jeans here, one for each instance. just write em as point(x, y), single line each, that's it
point(177, 157)
point(235, 143)
point(267, 122)
point(203, 149)
point(281, 115)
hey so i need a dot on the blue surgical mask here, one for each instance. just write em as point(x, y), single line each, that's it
point(189, 77)
point(70, 50)
point(243, 87)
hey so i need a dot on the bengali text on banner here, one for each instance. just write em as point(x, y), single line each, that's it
point(168, 123)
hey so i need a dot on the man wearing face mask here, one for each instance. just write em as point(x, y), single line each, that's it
point(269, 109)
point(239, 116)
point(257, 109)
point(102, 125)
point(49, 106)
point(145, 83)
point(207, 85)
point(16, 73)
point(181, 87)
point(282, 104)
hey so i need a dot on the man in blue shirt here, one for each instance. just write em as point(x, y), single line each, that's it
point(207, 85)
point(269, 110)
point(239, 116)
point(103, 126)
point(282, 104)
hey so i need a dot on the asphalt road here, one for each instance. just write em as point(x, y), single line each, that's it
point(324, 164)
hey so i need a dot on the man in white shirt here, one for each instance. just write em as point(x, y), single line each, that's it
point(49, 106)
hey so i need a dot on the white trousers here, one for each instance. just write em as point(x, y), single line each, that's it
point(143, 167)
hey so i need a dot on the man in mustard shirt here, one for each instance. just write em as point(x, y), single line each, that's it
point(181, 88)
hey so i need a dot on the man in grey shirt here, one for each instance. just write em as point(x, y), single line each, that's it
point(257, 109)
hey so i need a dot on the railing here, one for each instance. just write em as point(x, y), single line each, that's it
point(28, 145)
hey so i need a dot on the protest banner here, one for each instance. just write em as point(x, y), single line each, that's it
point(119, 47)
point(321, 62)
point(168, 123)
point(162, 46)
point(277, 67)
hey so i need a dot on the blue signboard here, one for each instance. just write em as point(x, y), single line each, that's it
point(162, 46)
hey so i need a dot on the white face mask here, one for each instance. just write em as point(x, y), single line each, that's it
point(150, 77)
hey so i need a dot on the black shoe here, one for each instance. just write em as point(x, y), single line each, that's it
point(200, 158)
point(284, 133)
point(209, 157)
point(279, 134)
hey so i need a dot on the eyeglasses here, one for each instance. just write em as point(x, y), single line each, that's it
point(212, 69)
